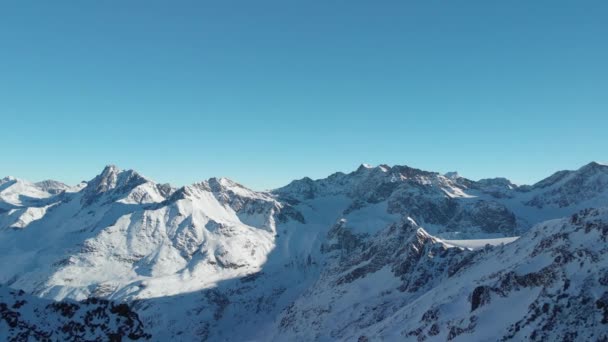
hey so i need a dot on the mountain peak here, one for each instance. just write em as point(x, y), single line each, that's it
point(108, 176)
point(452, 175)
point(8, 179)
point(591, 170)
point(364, 166)
point(367, 167)
point(111, 166)
point(110, 169)
point(218, 183)
point(51, 186)
point(594, 166)
point(112, 178)
point(384, 167)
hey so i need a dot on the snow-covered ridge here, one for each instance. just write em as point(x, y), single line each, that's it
point(124, 235)
point(455, 207)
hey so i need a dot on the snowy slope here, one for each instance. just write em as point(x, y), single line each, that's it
point(17, 192)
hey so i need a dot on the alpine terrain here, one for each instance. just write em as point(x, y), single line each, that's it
point(387, 253)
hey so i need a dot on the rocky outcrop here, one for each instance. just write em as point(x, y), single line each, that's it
point(28, 318)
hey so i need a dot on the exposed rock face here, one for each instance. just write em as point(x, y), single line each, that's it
point(496, 187)
point(455, 206)
point(370, 184)
point(404, 246)
point(490, 216)
point(402, 261)
point(28, 318)
point(451, 204)
point(111, 182)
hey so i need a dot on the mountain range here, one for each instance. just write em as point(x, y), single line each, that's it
point(380, 253)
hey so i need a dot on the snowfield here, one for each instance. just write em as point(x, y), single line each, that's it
point(480, 243)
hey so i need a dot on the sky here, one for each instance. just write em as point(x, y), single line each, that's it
point(264, 92)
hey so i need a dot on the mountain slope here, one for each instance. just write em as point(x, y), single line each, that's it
point(585, 186)
point(551, 284)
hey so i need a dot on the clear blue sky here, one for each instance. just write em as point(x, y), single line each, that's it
point(267, 91)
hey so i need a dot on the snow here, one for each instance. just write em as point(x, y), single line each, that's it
point(480, 243)
point(17, 192)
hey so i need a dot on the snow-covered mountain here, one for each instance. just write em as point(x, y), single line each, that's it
point(549, 285)
point(122, 235)
point(352, 256)
point(453, 206)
